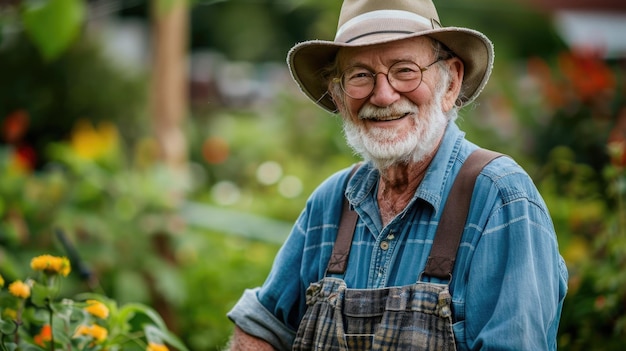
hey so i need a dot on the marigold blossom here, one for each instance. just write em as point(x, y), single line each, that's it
point(97, 308)
point(51, 265)
point(95, 331)
point(19, 289)
point(45, 335)
point(91, 142)
point(152, 346)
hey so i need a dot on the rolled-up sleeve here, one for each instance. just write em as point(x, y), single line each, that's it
point(253, 318)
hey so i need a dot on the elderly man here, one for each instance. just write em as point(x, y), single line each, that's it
point(395, 279)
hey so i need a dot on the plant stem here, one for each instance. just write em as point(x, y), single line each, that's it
point(51, 316)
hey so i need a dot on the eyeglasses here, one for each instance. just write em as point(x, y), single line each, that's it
point(404, 76)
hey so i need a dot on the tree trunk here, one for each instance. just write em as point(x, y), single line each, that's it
point(169, 99)
point(169, 95)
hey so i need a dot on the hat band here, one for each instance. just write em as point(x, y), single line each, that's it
point(377, 33)
point(393, 15)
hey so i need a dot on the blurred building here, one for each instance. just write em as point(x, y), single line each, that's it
point(599, 25)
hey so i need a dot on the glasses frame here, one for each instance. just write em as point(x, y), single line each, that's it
point(373, 75)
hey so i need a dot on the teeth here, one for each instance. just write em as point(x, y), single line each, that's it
point(386, 118)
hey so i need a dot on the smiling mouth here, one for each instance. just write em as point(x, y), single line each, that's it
point(385, 118)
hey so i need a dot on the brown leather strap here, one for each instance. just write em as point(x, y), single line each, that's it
point(339, 258)
point(448, 236)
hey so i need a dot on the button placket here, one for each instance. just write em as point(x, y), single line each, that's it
point(383, 253)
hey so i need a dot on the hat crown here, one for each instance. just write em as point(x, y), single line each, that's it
point(351, 9)
point(366, 21)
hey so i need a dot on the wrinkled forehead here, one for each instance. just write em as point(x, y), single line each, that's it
point(412, 49)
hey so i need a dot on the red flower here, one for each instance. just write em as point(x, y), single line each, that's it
point(587, 73)
point(617, 141)
point(24, 158)
point(14, 126)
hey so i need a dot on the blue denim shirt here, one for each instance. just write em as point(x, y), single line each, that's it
point(509, 279)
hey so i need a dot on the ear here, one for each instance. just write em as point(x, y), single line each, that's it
point(332, 92)
point(454, 86)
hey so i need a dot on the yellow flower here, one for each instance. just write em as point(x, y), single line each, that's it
point(19, 289)
point(95, 331)
point(81, 331)
point(91, 142)
point(51, 265)
point(9, 313)
point(97, 308)
point(99, 333)
point(156, 347)
point(1, 281)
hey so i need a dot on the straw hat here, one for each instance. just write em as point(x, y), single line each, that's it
point(369, 22)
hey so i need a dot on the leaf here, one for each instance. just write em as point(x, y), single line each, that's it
point(52, 25)
point(129, 310)
point(154, 334)
point(7, 327)
point(42, 294)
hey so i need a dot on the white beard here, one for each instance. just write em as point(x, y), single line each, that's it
point(384, 146)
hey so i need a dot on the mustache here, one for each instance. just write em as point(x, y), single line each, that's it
point(399, 108)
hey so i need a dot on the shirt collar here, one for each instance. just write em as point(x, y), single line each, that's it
point(431, 189)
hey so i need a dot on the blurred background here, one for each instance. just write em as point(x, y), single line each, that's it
point(163, 147)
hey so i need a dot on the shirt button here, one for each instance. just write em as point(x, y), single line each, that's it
point(384, 245)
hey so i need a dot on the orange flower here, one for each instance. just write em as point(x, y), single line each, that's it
point(97, 308)
point(215, 150)
point(156, 347)
point(51, 265)
point(19, 289)
point(45, 335)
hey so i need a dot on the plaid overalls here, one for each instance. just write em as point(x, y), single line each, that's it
point(412, 317)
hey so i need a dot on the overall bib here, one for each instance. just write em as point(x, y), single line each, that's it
point(412, 317)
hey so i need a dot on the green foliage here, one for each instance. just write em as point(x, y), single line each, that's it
point(305, 142)
point(582, 180)
point(53, 24)
point(592, 233)
point(81, 84)
point(32, 317)
point(271, 28)
point(135, 225)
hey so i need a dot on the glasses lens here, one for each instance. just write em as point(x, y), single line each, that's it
point(404, 76)
point(357, 82)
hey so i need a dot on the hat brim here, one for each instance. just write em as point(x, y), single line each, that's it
point(307, 59)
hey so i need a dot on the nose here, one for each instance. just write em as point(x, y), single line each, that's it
point(383, 94)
